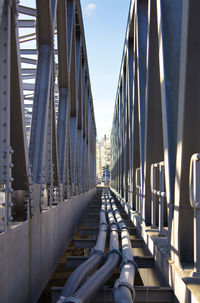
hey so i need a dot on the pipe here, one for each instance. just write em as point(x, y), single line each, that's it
point(123, 291)
point(86, 268)
point(89, 289)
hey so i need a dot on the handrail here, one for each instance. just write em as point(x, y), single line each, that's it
point(158, 168)
point(138, 190)
point(194, 191)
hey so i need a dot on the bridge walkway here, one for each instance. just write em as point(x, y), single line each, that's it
point(149, 284)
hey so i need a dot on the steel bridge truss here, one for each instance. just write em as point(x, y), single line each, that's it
point(156, 123)
point(47, 124)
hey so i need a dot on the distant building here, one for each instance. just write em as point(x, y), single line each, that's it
point(103, 158)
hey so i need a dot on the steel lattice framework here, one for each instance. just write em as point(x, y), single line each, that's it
point(156, 122)
point(47, 140)
point(56, 95)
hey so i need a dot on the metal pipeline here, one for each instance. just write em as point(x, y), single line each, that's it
point(123, 291)
point(89, 289)
point(95, 260)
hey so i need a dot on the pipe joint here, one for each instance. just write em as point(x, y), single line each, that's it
point(114, 227)
point(115, 210)
point(114, 250)
point(109, 210)
point(119, 283)
point(98, 252)
point(128, 261)
point(105, 225)
point(124, 227)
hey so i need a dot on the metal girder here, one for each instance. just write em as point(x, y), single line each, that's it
point(27, 10)
point(57, 155)
point(188, 143)
point(85, 243)
point(142, 262)
point(160, 70)
point(142, 294)
point(26, 23)
point(40, 112)
point(153, 127)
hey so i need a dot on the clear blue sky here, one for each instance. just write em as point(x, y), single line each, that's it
point(105, 26)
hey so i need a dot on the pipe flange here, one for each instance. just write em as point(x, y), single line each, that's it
point(109, 210)
point(111, 228)
point(114, 250)
point(128, 261)
point(119, 283)
point(116, 210)
point(125, 228)
point(101, 224)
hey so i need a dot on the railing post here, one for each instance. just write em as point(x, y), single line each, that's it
point(154, 169)
point(162, 196)
point(138, 190)
point(194, 188)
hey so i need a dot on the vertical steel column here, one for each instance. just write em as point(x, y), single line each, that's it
point(188, 142)
point(64, 51)
point(141, 28)
point(153, 124)
point(5, 148)
point(130, 117)
point(169, 18)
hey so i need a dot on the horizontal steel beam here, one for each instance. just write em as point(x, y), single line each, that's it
point(143, 294)
point(142, 261)
point(95, 223)
point(87, 231)
point(90, 243)
point(26, 23)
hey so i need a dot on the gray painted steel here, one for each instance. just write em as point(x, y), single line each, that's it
point(154, 133)
point(45, 182)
